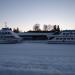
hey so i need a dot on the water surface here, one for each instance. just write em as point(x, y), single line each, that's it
point(37, 59)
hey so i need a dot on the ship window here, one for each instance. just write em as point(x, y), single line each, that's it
point(6, 36)
point(57, 38)
point(7, 32)
point(74, 33)
point(72, 38)
point(11, 36)
point(67, 33)
point(63, 33)
point(71, 33)
point(60, 38)
point(64, 38)
point(68, 38)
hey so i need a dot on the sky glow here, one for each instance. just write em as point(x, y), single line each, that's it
point(25, 13)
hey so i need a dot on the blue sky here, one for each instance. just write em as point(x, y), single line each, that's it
point(25, 13)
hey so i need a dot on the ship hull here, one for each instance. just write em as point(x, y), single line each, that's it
point(61, 42)
point(10, 41)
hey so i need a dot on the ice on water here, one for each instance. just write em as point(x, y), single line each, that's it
point(37, 59)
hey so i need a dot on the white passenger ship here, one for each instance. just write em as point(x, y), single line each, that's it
point(8, 36)
point(63, 37)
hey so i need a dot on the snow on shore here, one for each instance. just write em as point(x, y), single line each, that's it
point(37, 59)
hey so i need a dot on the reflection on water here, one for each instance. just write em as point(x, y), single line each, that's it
point(37, 59)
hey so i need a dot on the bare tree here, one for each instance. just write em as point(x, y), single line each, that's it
point(36, 27)
point(58, 28)
point(45, 27)
point(16, 30)
point(55, 28)
point(49, 27)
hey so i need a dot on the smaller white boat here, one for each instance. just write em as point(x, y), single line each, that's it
point(64, 37)
point(8, 36)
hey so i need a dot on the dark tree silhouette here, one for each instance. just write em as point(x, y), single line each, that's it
point(58, 28)
point(36, 27)
point(10, 29)
point(16, 30)
point(54, 28)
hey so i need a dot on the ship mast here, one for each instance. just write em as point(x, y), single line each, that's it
point(5, 24)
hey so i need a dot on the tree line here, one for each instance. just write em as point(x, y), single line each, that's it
point(46, 28)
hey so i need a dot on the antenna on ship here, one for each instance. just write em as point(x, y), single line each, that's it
point(5, 24)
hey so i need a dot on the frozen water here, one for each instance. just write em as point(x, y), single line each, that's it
point(37, 59)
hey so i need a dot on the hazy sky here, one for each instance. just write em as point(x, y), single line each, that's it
point(25, 13)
